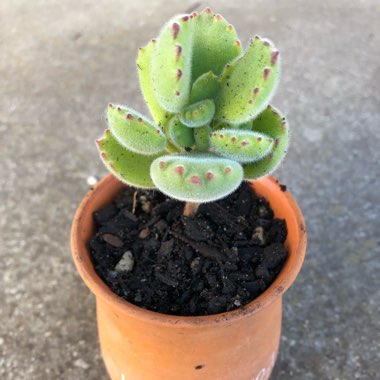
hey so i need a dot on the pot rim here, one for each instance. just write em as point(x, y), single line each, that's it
point(281, 284)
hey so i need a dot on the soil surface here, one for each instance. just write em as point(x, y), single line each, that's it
point(148, 253)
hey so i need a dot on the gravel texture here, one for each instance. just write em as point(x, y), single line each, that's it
point(61, 62)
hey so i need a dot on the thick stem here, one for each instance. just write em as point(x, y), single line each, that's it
point(190, 209)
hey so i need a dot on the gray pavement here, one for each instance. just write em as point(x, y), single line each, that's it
point(61, 62)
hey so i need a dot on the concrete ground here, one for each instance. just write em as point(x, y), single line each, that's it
point(61, 62)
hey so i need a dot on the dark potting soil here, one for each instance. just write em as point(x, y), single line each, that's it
point(218, 260)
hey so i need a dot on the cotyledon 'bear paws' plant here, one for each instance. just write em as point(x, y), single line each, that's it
point(212, 125)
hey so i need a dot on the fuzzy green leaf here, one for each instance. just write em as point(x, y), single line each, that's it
point(196, 177)
point(170, 146)
point(171, 64)
point(273, 124)
point(134, 131)
point(215, 44)
point(129, 167)
point(180, 135)
point(205, 87)
point(249, 84)
point(240, 145)
point(144, 61)
point(202, 138)
point(198, 114)
point(245, 126)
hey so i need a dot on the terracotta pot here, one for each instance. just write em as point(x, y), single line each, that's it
point(138, 344)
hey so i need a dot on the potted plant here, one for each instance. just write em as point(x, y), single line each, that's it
point(212, 130)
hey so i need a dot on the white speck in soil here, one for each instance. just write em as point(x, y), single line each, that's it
point(126, 262)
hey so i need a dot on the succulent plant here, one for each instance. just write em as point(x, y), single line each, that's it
point(212, 123)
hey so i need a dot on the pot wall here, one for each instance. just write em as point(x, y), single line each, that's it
point(135, 349)
point(138, 344)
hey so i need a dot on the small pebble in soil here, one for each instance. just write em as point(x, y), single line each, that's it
point(147, 252)
point(113, 240)
point(144, 233)
point(258, 236)
point(145, 204)
point(126, 262)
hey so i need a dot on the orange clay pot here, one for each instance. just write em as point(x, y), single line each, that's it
point(138, 344)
